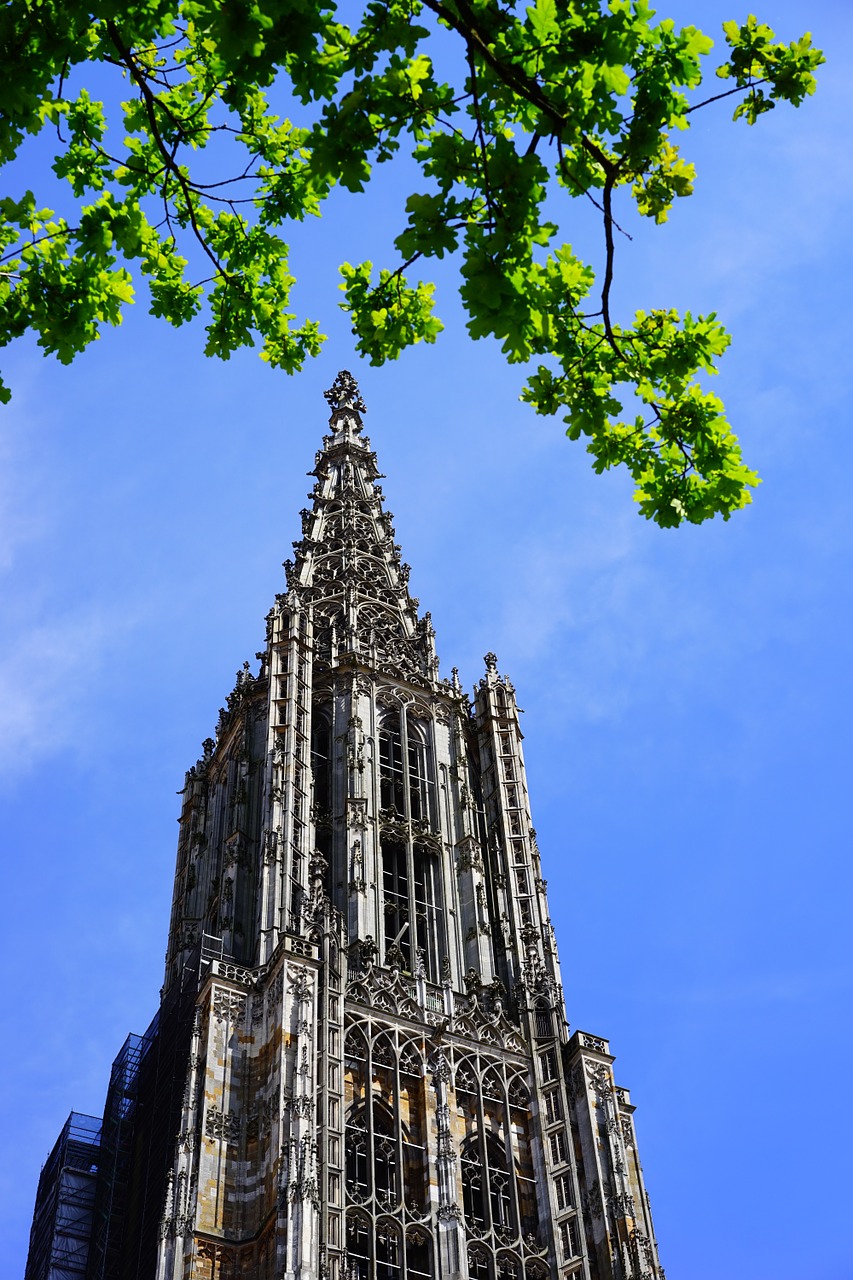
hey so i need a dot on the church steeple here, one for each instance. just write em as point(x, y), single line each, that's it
point(363, 1003)
point(348, 565)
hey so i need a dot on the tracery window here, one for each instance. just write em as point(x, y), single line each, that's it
point(321, 770)
point(499, 1187)
point(388, 1252)
point(391, 772)
point(384, 1155)
point(395, 895)
point(418, 1255)
point(509, 1268)
point(428, 910)
point(321, 753)
point(473, 1201)
point(358, 1247)
point(544, 1019)
point(405, 768)
point(413, 906)
point(485, 1183)
point(478, 1264)
point(420, 781)
point(356, 1156)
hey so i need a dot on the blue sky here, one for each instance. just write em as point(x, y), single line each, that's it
point(687, 693)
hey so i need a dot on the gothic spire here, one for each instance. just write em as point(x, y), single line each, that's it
point(347, 567)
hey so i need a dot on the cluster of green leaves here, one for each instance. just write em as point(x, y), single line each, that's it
point(577, 98)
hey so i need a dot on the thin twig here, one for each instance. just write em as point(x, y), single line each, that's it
point(151, 104)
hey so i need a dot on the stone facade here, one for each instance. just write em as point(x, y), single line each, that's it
point(379, 1080)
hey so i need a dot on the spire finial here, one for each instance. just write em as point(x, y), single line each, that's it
point(344, 394)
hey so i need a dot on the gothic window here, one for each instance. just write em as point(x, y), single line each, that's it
point(553, 1107)
point(492, 1087)
point(420, 782)
point(548, 1065)
point(355, 1047)
point(395, 894)
point(473, 1200)
point(384, 1154)
point(428, 910)
point(478, 1265)
point(499, 1188)
point(559, 1153)
point(356, 1157)
point(509, 1268)
point(411, 883)
point(388, 1251)
point(570, 1239)
point(565, 1198)
point(414, 1174)
point(486, 1192)
point(418, 1255)
point(358, 1247)
point(321, 752)
point(544, 1020)
point(518, 1094)
point(296, 890)
point(465, 1081)
point(391, 772)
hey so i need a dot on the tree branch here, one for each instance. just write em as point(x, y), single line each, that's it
point(151, 104)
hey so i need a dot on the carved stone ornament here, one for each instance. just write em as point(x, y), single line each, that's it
point(344, 393)
point(228, 1006)
point(599, 1079)
point(223, 1125)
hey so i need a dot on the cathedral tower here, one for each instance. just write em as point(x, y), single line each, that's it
point(361, 1067)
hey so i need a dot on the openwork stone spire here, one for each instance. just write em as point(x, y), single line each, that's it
point(348, 567)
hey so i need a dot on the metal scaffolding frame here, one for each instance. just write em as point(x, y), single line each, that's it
point(62, 1221)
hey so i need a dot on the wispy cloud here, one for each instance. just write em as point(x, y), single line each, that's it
point(47, 671)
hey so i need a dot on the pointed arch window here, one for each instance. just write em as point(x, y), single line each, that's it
point(384, 1155)
point(478, 1265)
point(413, 907)
point(544, 1021)
point(391, 772)
point(321, 760)
point(429, 910)
point(388, 1252)
point(358, 1247)
point(473, 1199)
point(486, 1187)
point(357, 1158)
point(420, 779)
point(418, 1255)
point(499, 1185)
point(395, 893)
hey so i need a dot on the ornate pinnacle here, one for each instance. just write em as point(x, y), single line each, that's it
point(344, 393)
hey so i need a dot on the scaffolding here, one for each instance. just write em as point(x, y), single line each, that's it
point(141, 1118)
point(62, 1221)
point(117, 1141)
point(102, 1191)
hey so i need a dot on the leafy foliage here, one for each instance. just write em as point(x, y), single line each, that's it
point(566, 98)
